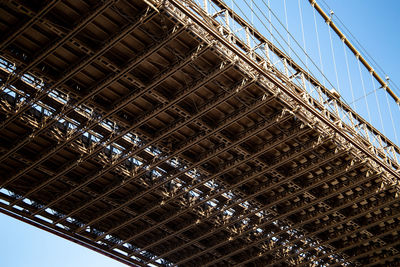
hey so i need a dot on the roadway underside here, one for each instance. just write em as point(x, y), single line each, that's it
point(129, 132)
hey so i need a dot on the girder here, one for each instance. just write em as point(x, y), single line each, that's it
point(360, 242)
point(265, 239)
point(339, 223)
point(19, 29)
point(78, 132)
point(109, 200)
point(143, 172)
point(47, 51)
point(145, 134)
point(92, 91)
point(219, 173)
point(113, 137)
point(249, 230)
point(186, 145)
point(198, 163)
point(250, 176)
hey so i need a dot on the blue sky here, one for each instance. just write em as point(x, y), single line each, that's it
point(23, 245)
point(373, 22)
point(376, 27)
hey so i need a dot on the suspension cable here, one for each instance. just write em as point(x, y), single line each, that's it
point(391, 118)
point(334, 60)
point(302, 32)
point(365, 94)
point(287, 26)
point(384, 85)
point(276, 49)
point(377, 103)
point(359, 45)
point(270, 20)
point(319, 47)
point(302, 50)
point(349, 76)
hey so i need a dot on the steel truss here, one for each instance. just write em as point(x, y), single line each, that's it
point(164, 142)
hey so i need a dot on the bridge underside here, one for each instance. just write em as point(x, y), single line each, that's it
point(126, 130)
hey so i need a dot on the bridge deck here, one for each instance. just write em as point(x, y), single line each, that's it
point(125, 129)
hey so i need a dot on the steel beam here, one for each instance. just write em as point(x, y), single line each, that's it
point(91, 123)
point(183, 192)
point(128, 153)
point(346, 41)
point(228, 120)
point(310, 234)
point(92, 15)
point(111, 138)
point(142, 18)
point(232, 204)
point(17, 31)
point(285, 85)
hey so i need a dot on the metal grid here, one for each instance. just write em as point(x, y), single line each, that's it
point(136, 130)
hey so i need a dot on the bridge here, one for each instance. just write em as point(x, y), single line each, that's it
point(153, 133)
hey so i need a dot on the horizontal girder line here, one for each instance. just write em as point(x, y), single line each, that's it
point(356, 230)
point(347, 219)
point(383, 260)
point(92, 15)
point(16, 32)
point(343, 171)
point(213, 153)
point(231, 205)
point(361, 241)
point(202, 182)
point(248, 177)
point(264, 207)
point(163, 134)
point(91, 123)
point(285, 158)
point(308, 234)
point(358, 256)
point(66, 234)
point(68, 108)
point(113, 138)
point(207, 157)
point(185, 145)
point(128, 210)
point(127, 153)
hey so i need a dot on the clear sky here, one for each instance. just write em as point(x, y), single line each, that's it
point(23, 245)
point(376, 25)
point(373, 22)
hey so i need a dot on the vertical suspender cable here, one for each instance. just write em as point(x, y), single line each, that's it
point(356, 53)
point(252, 14)
point(349, 77)
point(302, 32)
point(365, 93)
point(304, 46)
point(391, 118)
point(398, 107)
point(287, 26)
point(283, 39)
point(270, 22)
point(319, 48)
point(334, 60)
point(377, 103)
